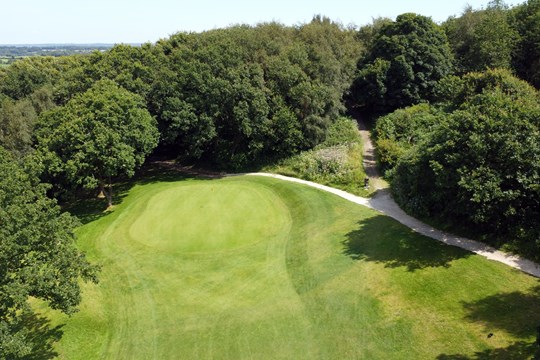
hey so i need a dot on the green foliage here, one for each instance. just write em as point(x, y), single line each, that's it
point(78, 74)
point(482, 39)
point(369, 90)
point(454, 91)
point(343, 131)
point(241, 95)
point(527, 54)
point(16, 124)
point(101, 134)
point(368, 33)
point(17, 119)
point(388, 153)
point(480, 166)
point(38, 257)
point(406, 60)
point(27, 75)
point(335, 162)
point(230, 97)
point(331, 165)
point(397, 132)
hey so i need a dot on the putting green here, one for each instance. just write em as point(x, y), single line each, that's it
point(209, 217)
point(258, 268)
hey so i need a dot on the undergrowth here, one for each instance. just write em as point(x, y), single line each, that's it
point(336, 162)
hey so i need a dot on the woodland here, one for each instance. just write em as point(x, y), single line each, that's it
point(454, 108)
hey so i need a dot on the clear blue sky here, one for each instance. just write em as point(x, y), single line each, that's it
point(135, 21)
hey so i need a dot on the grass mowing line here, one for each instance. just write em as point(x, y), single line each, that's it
point(385, 204)
point(334, 280)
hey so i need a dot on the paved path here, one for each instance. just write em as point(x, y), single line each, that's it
point(383, 202)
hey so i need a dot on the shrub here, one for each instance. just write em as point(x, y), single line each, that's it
point(336, 162)
point(397, 132)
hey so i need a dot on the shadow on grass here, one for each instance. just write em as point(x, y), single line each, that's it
point(91, 208)
point(517, 351)
point(517, 313)
point(383, 240)
point(41, 335)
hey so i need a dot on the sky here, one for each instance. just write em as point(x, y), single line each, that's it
point(138, 21)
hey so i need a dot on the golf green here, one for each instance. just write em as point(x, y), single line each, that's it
point(257, 268)
point(209, 218)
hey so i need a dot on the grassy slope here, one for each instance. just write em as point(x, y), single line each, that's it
point(251, 267)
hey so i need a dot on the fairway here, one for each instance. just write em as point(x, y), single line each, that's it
point(257, 268)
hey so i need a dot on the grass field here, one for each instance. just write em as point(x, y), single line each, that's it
point(257, 268)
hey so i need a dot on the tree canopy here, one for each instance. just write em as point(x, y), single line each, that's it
point(403, 65)
point(527, 53)
point(482, 39)
point(38, 256)
point(480, 166)
point(101, 134)
point(243, 95)
point(400, 130)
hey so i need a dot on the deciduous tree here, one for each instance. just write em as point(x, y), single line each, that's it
point(97, 136)
point(527, 55)
point(406, 60)
point(482, 39)
point(480, 167)
point(38, 256)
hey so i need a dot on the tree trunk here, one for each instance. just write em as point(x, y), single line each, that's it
point(108, 194)
point(106, 190)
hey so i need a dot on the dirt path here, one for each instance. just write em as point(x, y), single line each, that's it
point(370, 163)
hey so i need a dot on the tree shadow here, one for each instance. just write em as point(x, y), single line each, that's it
point(384, 240)
point(165, 172)
point(517, 351)
point(40, 335)
point(517, 313)
point(89, 207)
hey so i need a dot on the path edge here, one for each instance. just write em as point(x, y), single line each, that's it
point(389, 208)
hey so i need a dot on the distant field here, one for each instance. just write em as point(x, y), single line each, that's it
point(19, 51)
point(5, 61)
point(257, 268)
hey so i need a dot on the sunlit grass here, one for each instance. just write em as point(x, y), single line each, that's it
point(257, 268)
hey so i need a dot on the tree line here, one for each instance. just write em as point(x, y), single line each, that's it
point(16, 52)
point(456, 113)
point(230, 98)
point(454, 107)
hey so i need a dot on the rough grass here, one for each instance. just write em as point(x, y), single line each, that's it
point(257, 268)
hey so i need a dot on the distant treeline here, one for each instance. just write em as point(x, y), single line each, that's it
point(18, 51)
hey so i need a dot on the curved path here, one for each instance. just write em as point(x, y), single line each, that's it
point(384, 203)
